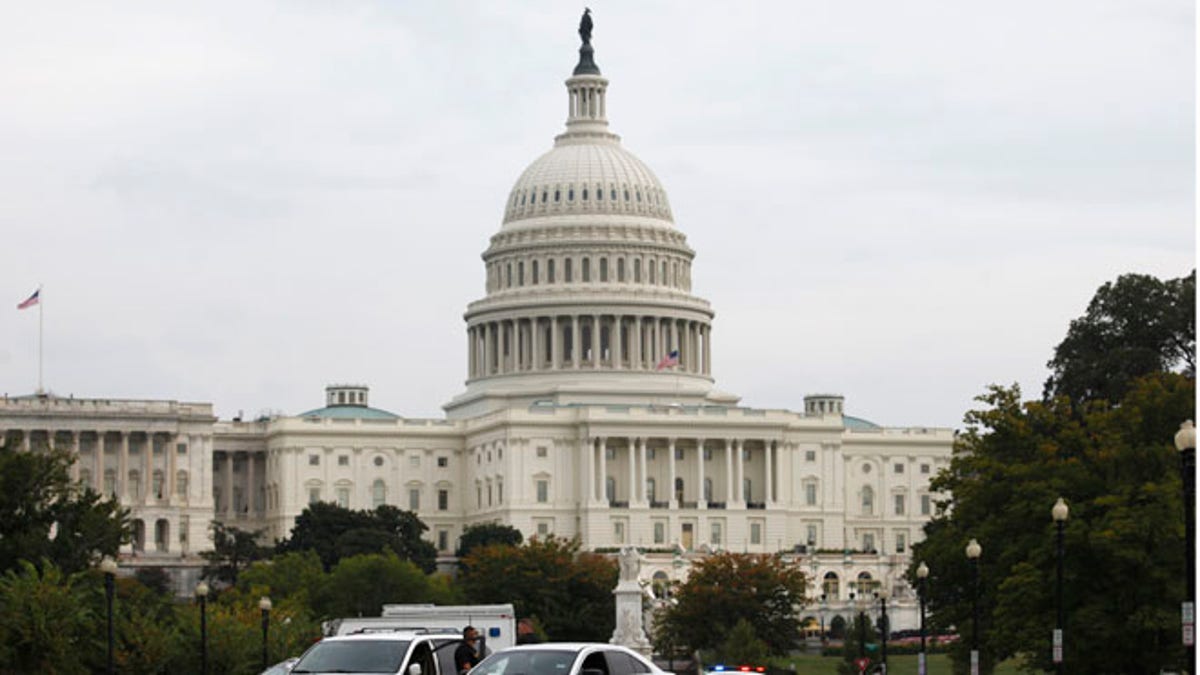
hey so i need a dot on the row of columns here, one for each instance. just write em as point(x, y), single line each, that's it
point(503, 273)
point(616, 342)
point(594, 459)
point(223, 465)
point(586, 101)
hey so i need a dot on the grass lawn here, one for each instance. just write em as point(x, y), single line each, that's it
point(939, 664)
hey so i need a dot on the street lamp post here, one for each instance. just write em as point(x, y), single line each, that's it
point(202, 596)
point(861, 605)
point(109, 567)
point(821, 613)
point(884, 629)
point(1059, 512)
point(264, 604)
point(1185, 442)
point(974, 550)
point(922, 573)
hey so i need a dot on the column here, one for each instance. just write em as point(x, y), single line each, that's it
point(472, 353)
point(708, 350)
point(148, 472)
point(98, 464)
point(700, 501)
point(587, 457)
point(576, 342)
point(487, 349)
point(614, 342)
point(250, 489)
point(674, 336)
point(595, 340)
point(635, 344)
point(228, 480)
point(633, 491)
point(123, 467)
point(655, 342)
point(170, 447)
point(671, 501)
point(769, 490)
point(729, 471)
point(642, 463)
point(535, 359)
point(555, 338)
point(604, 470)
point(739, 464)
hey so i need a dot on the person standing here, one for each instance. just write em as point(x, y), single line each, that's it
point(466, 656)
point(526, 634)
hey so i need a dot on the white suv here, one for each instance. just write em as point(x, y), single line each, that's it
point(388, 652)
point(566, 658)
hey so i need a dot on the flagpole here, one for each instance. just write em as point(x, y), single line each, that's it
point(40, 305)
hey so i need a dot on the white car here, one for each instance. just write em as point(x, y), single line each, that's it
point(381, 653)
point(567, 658)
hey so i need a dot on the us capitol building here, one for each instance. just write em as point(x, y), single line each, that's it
point(589, 411)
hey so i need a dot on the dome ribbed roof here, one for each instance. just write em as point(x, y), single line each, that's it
point(587, 178)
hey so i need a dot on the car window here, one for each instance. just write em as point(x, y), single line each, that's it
point(444, 649)
point(527, 662)
point(620, 663)
point(596, 661)
point(353, 656)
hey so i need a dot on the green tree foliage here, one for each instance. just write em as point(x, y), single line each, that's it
point(1134, 326)
point(233, 550)
point(289, 575)
point(334, 532)
point(862, 640)
point(45, 516)
point(742, 647)
point(45, 624)
point(570, 591)
point(360, 585)
point(727, 587)
point(1117, 468)
point(487, 534)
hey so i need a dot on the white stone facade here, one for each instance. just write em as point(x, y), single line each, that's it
point(589, 411)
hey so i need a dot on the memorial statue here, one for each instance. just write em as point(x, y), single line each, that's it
point(630, 563)
point(585, 26)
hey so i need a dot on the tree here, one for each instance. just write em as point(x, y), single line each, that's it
point(1116, 467)
point(1134, 326)
point(233, 550)
point(487, 534)
point(727, 587)
point(334, 532)
point(570, 591)
point(742, 647)
point(361, 585)
point(44, 516)
point(861, 638)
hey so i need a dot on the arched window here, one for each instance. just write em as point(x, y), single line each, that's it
point(139, 535)
point(830, 586)
point(378, 493)
point(587, 269)
point(135, 485)
point(568, 273)
point(162, 535)
point(621, 270)
point(868, 500)
point(660, 585)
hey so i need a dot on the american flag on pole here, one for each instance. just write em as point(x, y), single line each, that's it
point(31, 300)
point(669, 361)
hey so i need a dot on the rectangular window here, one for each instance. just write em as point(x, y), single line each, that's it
point(925, 468)
point(810, 455)
point(181, 448)
point(868, 542)
point(755, 533)
point(568, 275)
point(897, 468)
point(443, 462)
point(587, 269)
point(716, 534)
point(314, 495)
point(443, 540)
point(543, 528)
point(414, 499)
point(604, 269)
point(811, 535)
point(678, 453)
point(314, 460)
point(618, 532)
point(650, 454)
point(541, 451)
point(443, 500)
point(708, 454)
point(343, 460)
point(925, 505)
point(520, 274)
point(660, 532)
point(899, 504)
point(810, 494)
point(543, 491)
point(901, 542)
point(343, 497)
point(414, 460)
point(550, 271)
point(610, 453)
point(533, 272)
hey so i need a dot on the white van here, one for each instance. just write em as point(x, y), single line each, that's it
point(497, 624)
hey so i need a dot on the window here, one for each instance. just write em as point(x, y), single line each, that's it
point(414, 499)
point(156, 485)
point(811, 535)
point(134, 487)
point(314, 495)
point(868, 500)
point(925, 468)
point(618, 532)
point(925, 506)
point(868, 542)
point(621, 269)
point(343, 460)
point(443, 462)
point(901, 541)
point(543, 491)
point(533, 272)
point(550, 271)
point(660, 532)
point(755, 533)
point(378, 493)
point(443, 500)
point(610, 453)
point(716, 534)
point(314, 460)
point(543, 528)
point(708, 487)
point(541, 451)
point(521, 273)
point(181, 482)
point(567, 276)
point(746, 454)
point(866, 468)
point(478, 496)
point(110, 482)
point(810, 493)
point(810, 455)
point(604, 269)
point(897, 468)
point(378, 461)
point(898, 503)
point(650, 490)
point(678, 453)
point(508, 275)
point(708, 454)
point(414, 460)
point(181, 448)
point(678, 489)
point(610, 488)
point(637, 270)
point(650, 453)
point(443, 540)
point(343, 497)
point(587, 269)
point(747, 490)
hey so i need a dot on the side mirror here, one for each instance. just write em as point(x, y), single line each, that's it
point(414, 669)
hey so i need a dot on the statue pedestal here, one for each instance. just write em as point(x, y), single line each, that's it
point(629, 631)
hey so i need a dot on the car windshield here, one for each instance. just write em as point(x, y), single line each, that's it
point(353, 656)
point(527, 662)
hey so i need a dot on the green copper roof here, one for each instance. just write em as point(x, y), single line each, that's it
point(859, 424)
point(346, 412)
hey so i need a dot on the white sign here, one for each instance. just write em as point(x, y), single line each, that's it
point(1058, 654)
point(1058, 637)
point(1189, 613)
point(974, 662)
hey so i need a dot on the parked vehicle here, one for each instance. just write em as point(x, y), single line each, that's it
point(382, 651)
point(567, 658)
point(497, 624)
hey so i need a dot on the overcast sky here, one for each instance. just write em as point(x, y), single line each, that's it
point(241, 202)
